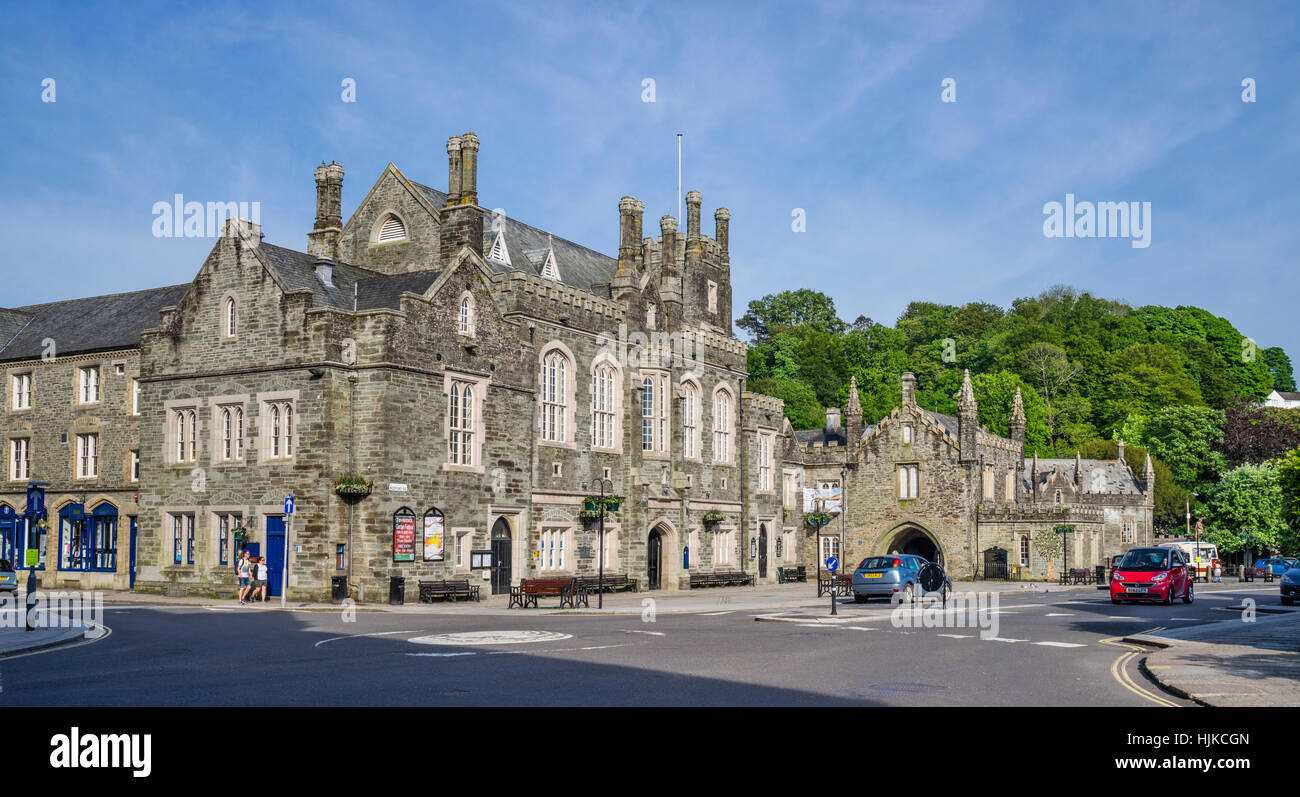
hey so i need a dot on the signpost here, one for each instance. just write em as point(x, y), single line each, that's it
point(35, 514)
point(1065, 549)
point(289, 506)
point(832, 564)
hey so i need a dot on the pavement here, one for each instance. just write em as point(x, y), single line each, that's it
point(1231, 663)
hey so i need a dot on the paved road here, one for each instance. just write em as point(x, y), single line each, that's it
point(1051, 649)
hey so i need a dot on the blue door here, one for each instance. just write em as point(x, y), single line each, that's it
point(132, 563)
point(9, 536)
point(274, 553)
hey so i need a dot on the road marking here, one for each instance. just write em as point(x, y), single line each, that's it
point(1119, 671)
point(651, 633)
point(1126, 617)
point(859, 628)
point(1062, 644)
point(355, 636)
point(1004, 639)
point(1059, 614)
point(442, 655)
point(814, 625)
point(717, 614)
point(956, 636)
point(490, 638)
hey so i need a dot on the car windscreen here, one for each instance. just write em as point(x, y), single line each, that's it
point(1145, 560)
point(878, 562)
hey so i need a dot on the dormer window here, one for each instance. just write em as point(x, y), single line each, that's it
point(550, 270)
point(391, 230)
point(500, 252)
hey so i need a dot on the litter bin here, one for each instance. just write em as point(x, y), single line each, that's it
point(396, 590)
point(339, 588)
point(1101, 574)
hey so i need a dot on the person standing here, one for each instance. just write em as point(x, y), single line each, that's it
point(243, 568)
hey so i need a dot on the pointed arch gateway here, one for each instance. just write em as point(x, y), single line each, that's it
point(916, 540)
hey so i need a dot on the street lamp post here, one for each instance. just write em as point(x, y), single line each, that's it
point(600, 557)
point(1196, 552)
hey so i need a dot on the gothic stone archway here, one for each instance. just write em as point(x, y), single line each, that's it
point(914, 540)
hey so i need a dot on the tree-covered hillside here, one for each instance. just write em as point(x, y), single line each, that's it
point(1179, 382)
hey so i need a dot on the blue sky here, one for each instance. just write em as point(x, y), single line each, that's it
point(832, 107)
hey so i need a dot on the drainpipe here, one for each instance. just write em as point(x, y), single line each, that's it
point(744, 481)
point(352, 463)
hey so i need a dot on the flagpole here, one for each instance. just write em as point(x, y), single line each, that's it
point(679, 178)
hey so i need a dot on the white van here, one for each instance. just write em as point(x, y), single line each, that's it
point(1203, 556)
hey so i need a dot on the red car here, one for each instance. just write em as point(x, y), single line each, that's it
point(1145, 574)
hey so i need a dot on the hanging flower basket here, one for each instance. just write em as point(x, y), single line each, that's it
point(353, 487)
point(818, 519)
point(240, 534)
point(591, 504)
point(713, 517)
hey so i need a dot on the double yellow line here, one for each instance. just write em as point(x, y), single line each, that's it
point(1119, 670)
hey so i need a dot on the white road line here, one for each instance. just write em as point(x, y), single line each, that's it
point(717, 614)
point(651, 633)
point(815, 625)
point(859, 628)
point(1059, 614)
point(442, 655)
point(1062, 644)
point(1005, 639)
point(956, 636)
point(355, 636)
point(1125, 617)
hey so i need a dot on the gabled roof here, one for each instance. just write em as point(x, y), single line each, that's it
point(96, 323)
point(297, 271)
point(1099, 475)
point(1287, 395)
point(578, 266)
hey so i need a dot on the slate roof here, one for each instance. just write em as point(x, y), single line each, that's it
point(96, 323)
point(1288, 395)
point(579, 266)
point(297, 270)
point(1099, 475)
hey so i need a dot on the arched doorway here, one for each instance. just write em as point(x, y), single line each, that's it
point(916, 541)
point(654, 559)
point(501, 559)
point(762, 550)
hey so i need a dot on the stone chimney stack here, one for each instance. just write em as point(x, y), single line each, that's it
point(693, 201)
point(832, 419)
point(453, 170)
point(323, 240)
point(1119, 452)
point(670, 274)
point(462, 220)
point(909, 389)
point(469, 169)
point(967, 420)
point(722, 223)
point(1078, 470)
point(1149, 480)
point(626, 282)
point(853, 412)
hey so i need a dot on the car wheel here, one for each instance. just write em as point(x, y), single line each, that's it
point(1169, 596)
point(1188, 596)
point(909, 595)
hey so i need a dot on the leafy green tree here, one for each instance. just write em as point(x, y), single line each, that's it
point(1279, 365)
point(994, 395)
point(1288, 476)
point(803, 307)
point(801, 404)
point(1245, 510)
point(1188, 439)
point(1143, 378)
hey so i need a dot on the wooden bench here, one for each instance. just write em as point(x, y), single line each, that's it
point(842, 585)
point(530, 589)
point(1250, 573)
point(1077, 575)
point(720, 578)
point(455, 590)
point(613, 583)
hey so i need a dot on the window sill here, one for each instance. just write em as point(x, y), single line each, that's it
point(554, 444)
point(448, 467)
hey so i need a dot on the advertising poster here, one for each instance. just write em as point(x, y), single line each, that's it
point(404, 538)
point(433, 537)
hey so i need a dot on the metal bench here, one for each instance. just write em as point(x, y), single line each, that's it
point(455, 590)
point(612, 583)
point(840, 585)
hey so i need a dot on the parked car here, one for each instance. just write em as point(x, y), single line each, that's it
point(891, 576)
point(1291, 585)
point(8, 578)
point(1145, 574)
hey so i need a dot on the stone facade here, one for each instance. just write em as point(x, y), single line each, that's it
point(277, 372)
point(948, 489)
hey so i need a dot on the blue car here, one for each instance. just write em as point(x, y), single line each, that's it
point(1278, 566)
point(891, 576)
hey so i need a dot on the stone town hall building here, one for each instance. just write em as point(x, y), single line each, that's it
point(481, 371)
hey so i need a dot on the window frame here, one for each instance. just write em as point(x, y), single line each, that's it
point(89, 382)
point(555, 395)
point(15, 460)
point(606, 421)
point(909, 481)
point(86, 462)
point(723, 425)
point(23, 379)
